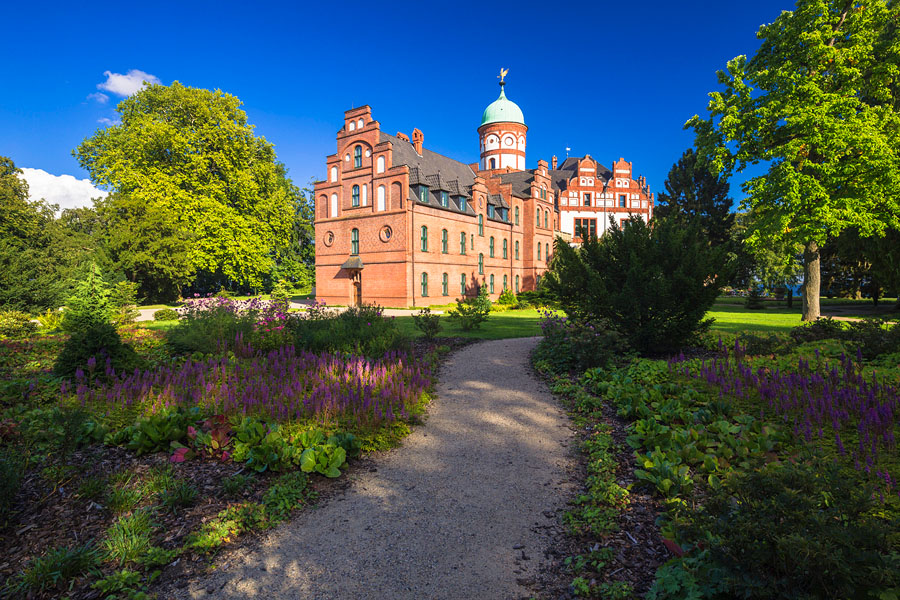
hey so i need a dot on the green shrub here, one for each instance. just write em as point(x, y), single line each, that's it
point(50, 320)
point(575, 346)
point(165, 314)
point(874, 337)
point(754, 299)
point(655, 283)
point(426, 322)
point(359, 330)
point(470, 313)
point(213, 324)
point(99, 342)
point(12, 471)
point(786, 531)
point(281, 294)
point(123, 302)
point(16, 324)
point(507, 297)
point(756, 344)
point(56, 568)
point(89, 304)
point(181, 494)
point(823, 328)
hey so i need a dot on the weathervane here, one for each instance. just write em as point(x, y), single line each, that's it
point(503, 73)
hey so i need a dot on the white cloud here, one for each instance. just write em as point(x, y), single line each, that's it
point(127, 84)
point(106, 121)
point(99, 97)
point(64, 190)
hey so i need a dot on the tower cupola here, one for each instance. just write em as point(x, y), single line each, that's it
point(502, 133)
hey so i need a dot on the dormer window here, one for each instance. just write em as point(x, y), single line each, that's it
point(462, 203)
point(423, 193)
point(490, 211)
point(357, 157)
point(445, 199)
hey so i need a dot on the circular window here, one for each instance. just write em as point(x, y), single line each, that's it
point(508, 141)
point(386, 233)
point(328, 239)
point(368, 153)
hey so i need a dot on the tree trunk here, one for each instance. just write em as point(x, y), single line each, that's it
point(812, 280)
point(790, 298)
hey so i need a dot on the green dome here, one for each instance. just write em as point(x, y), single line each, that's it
point(502, 110)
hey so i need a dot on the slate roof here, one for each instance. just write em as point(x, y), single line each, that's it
point(521, 182)
point(569, 169)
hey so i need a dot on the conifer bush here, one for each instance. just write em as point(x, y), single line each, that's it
point(470, 313)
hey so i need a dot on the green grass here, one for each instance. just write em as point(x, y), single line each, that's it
point(158, 325)
point(509, 324)
point(738, 319)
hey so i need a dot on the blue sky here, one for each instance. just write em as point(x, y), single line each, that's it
point(607, 79)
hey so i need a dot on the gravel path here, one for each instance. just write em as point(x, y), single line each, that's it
point(462, 510)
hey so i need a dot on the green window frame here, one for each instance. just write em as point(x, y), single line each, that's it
point(537, 217)
point(462, 284)
point(424, 284)
point(539, 250)
point(517, 249)
point(424, 239)
point(480, 263)
point(443, 241)
point(444, 199)
point(491, 247)
point(354, 195)
point(444, 285)
point(505, 248)
point(517, 284)
point(546, 214)
point(462, 203)
point(505, 282)
point(481, 225)
point(462, 242)
point(357, 157)
point(547, 251)
point(354, 241)
point(492, 283)
point(517, 216)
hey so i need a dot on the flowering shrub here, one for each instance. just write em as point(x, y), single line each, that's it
point(360, 330)
point(210, 324)
point(575, 346)
point(283, 385)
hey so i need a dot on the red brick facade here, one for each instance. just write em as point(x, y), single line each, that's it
point(399, 225)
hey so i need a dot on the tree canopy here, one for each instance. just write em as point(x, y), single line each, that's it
point(818, 104)
point(195, 191)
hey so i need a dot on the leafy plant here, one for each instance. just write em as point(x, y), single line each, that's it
point(57, 567)
point(165, 314)
point(120, 581)
point(181, 494)
point(507, 297)
point(821, 329)
point(754, 299)
point(326, 459)
point(470, 313)
point(89, 305)
point(157, 431)
point(228, 524)
point(123, 303)
point(235, 485)
point(15, 324)
point(128, 538)
point(92, 488)
point(90, 349)
point(285, 493)
point(158, 557)
point(122, 499)
point(426, 322)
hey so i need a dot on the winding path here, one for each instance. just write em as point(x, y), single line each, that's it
point(461, 510)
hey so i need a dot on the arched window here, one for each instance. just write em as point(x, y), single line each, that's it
point(462, 242)
point(424, 239)
point(357, 157)
point(333, 173)
point(492, 283)
point(334, 206)
point(380, 198)
point(504, 248)
point(517, 284)
point(360, 123)
point(481, 225)
point(537, 216)
point(493, 163)
point(517, 249)
point(365, 195)
point(444, 241)
point(462, 284)
point(547, 253)
point(517, 215)
point(505, 282)
point(424, 284)
point(379, 164)
point(491, 246)
point(352, 126)
point(354, 241)
point(539, 250)
point(546, 214)
point(444, 285)
point(480, 264)
point(354, 195)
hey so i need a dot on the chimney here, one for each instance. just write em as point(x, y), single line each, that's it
point(417, 138)
point(402, 136)
point(553, 162)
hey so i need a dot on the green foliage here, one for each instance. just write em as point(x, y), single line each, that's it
point(12, 471)
point(57, 568)
point(128, 538)
point(426, 322)
point(16, 324)
point(57, 431)
point(285, 494)
point(572, 346)
point(229, 523)
point(655, 284)
point(123, 302)
point(181, 494)
point(470, 313)
point(211, 177)
point(818, 105)
point(874, 337)
point(100, 342)
point(92, 488)
point(165, 314)
point(756, 344)
point(358, 330)
point(788, 531)
point(123, 499)
point(118, 582)
point(89, 304)
point(158, 557)
point(281, 294)
point(821, 329)
point(754, 299)
point(235, 485)
point(208, 323)
point(507, 296)
point(157, 431)
point(50, 320)
point(326, 459)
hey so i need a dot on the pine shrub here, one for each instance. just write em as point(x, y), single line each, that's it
point(470, 313)
point(16, 324)
point(99, 342)
point(89, 305)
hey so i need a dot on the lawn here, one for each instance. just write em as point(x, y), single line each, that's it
point(508, 324)
point(738, 319)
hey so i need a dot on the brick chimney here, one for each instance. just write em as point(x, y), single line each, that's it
point(402, 136)
point(417, 138)
point(553, 162)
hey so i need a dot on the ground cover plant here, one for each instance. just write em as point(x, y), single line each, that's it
point(211, 438)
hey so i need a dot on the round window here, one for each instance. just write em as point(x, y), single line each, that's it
point(386, 233)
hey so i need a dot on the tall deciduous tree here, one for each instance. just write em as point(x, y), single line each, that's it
point(187, 159)
point(696, 195)
point(819, 104)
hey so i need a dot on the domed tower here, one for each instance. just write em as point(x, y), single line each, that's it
point(502, 133)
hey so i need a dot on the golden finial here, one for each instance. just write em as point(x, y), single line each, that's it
point(503, 73)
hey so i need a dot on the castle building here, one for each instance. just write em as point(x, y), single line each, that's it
point(399, 225)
